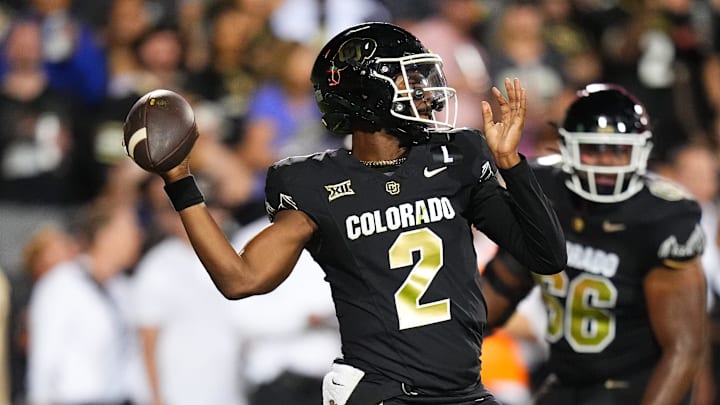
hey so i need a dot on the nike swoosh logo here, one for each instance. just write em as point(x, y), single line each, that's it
point(610, 227)
point(616, 384)
point(337, 383)
point(429, 173)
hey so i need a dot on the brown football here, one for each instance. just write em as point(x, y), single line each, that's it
point(159, 131)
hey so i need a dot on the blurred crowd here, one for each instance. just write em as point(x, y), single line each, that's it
point(103, 300)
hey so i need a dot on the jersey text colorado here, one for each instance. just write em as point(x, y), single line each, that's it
point(402, 216)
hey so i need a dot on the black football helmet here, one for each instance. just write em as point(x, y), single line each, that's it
point(376, 76)
point(605, 118)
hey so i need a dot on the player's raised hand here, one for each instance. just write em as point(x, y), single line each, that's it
point(503, 136)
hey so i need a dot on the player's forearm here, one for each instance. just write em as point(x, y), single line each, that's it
point(231, 275)
point(508, 161)
point(544, 251)
point(505, 283)
point(672, 378)
point(676, 308)
point(262, 265)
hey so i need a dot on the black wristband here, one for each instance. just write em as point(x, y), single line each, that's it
point(184, 193)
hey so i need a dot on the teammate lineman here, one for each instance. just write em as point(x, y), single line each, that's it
point(627, 316)
point(389, 220)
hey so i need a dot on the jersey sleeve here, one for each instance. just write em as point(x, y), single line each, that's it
point(278, 196)
point(678, 239)
point(289, 186)
point(518, 218)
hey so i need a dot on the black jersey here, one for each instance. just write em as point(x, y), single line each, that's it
point(598, 323)
point(398, 253)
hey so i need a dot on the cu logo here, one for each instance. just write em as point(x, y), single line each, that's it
point(392, 187)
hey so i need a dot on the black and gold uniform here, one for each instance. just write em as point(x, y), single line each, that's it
point(397, 249)
point(626, 318)
point(598, 323)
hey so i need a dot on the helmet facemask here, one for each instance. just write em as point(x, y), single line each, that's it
point(420, 91)
point(605, 183)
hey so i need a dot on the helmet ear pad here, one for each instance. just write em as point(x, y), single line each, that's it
point(343, 116)
point(340, 123)
point(337, 122)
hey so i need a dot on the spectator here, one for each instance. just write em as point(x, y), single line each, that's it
point(659, 51)
point(73, 57)
point(229, 78)
point(99, 149)
point(449, 33)
point(160, 53)
point(48, 246)
point(313, 22)
point(582, 61)
point(520, 51)
point(37, 139)
point(128, 21)
point(37, 184)
point(81, 348)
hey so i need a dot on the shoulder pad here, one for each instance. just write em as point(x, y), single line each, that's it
point(666, 189)
point(292, 160)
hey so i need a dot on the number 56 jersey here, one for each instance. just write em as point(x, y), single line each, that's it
point(397, 250)
point(598, 321)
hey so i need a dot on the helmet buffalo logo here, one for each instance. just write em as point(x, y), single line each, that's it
point(352, 52)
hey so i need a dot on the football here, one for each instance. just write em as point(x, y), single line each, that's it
point(159, 131)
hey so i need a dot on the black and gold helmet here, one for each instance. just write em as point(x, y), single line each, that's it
point(379, 76)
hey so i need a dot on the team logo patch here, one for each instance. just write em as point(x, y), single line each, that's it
point(286, 203)
point(270, 210)
point(392, 187)
point(352, 52)
point(487, 172)
point(578, 224)
point(671, 248)
point(339, 190)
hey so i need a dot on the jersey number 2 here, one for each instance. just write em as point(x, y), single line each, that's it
point(411, 313)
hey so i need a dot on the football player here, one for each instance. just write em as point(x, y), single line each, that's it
point(626, 319)
point(389, 220)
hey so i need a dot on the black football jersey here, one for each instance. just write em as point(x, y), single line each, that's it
point(598, 324)
point(398, 253)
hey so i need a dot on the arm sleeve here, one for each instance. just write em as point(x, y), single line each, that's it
point(520, 220)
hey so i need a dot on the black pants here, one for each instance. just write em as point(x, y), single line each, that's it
point(289, 388)
point(488, 400)
point(622, 391)
point(471, 396)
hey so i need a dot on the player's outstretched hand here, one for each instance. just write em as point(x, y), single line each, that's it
point(503, 136)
